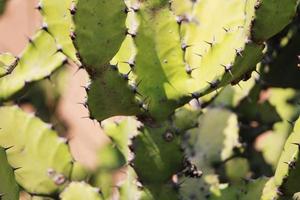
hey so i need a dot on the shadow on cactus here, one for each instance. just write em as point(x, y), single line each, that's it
point(207, 90)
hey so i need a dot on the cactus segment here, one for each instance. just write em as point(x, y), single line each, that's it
point(58, 22)
point(79, 172)
point(102, 93)
point(7, 64)
point(129, 189)
point(41, 160)
point(110, 158)
point(249, 190)
point(120, 134)
point(157, 154)
point(186, 118)
point(9, 190)
point(100, 30)
point(79, 191)
point(272, 16)
point(209, 144)
point(287, 173)
point(158, 192)
point(217, 44)
point(2, 6)
point(40, 58)
point(160, 67)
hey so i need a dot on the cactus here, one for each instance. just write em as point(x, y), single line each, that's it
point(199, 132)
point(40, 58)
point(8, 186)
point(2, 6)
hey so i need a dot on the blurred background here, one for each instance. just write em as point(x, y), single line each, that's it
point(59, 99)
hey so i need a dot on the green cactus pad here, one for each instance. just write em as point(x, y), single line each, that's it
point(58, 21)
point(9, 190)
point(186, 118)
point(41, 159)
point(272, 16)
point(157, 155)
point(249, 190)
point(160, 67)
point(158, 192)
point(121, 132)
point(287, 173)
point(129, 187)
point(7, 64)
point(102, 92)
point(79, 172)
point(40, 58)
point(2, 6)
point(79, 191)
point(100, 29)
point(209, 144)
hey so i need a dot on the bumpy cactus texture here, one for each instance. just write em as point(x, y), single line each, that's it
point(207, 92)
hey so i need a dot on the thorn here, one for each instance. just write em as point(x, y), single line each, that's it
point(45, 27)
point(209, 43)
point(228, 69)
point(79, 68)
point(17, 168)
point(8, 148)
point(39, 6)
point(73, 35)
point(239, 52)
point(197, 54)
point(185, 46)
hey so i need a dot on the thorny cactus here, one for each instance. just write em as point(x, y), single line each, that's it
point(200, 132)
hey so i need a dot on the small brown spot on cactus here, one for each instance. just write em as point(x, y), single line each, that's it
point(168, 136)
point(59, 179)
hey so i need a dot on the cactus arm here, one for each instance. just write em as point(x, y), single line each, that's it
point(110, 95)
point(58, 21)
point(79, 191)
point(9, 190)
point(100, 30)
point(38, 61)
point(41, 160)
point(248, 190)
point(272, 16)
point(287, 173)
point(2, 6)
point(7, 64)
point(160, 56)
point(156, 150)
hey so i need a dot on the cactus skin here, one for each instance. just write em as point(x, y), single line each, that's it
point(80, 190)
point(250, 190)
point(9, 190)
point(272, 16)
point(58, 22)
point(39, 59)
point(23, 134)
point(2, 6)
point(287, 173)
point(99, 31)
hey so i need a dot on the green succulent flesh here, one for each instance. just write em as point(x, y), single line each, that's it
point(38, 61)
point(80, 190)
point(41, 159)
point(9, 190)
point(58, 21)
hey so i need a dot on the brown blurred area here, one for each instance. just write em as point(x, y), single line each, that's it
point(20, 21)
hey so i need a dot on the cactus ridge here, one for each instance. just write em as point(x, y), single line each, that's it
point(57, 20)
point(9, 190)
point(27, 140)
point(39, 60)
